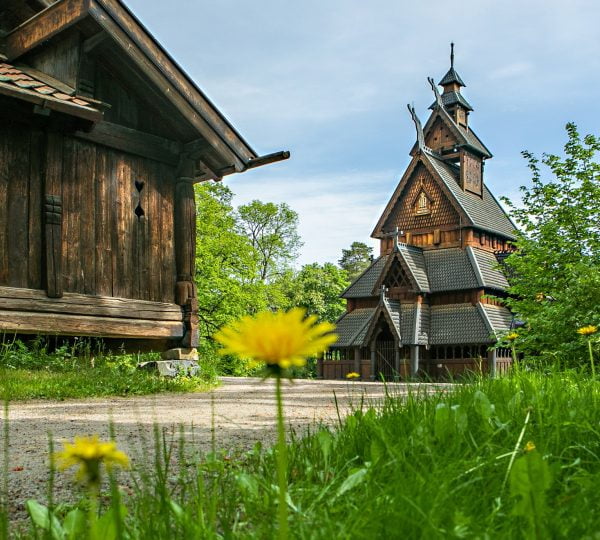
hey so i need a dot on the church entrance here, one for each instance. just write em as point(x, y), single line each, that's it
point(385, 353)
point(385, 358)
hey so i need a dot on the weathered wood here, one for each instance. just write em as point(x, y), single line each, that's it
point(133, 141)
point(34, 242)
point(44, 26)
point(48, 102)
point(159, 79)
point(165, 65)
point(79, 325)
point(53, 235)
point(185, 253)
point(18, 299)
point(17, 207)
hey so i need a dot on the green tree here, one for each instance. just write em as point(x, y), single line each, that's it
point(317, 288)
point(356, 259)
point(226, 262)
point(555, 275)
point(273, 233)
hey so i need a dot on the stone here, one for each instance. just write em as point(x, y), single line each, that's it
point(180, 354)
point(172, 368)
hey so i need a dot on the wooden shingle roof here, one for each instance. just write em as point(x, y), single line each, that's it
point(22, 83)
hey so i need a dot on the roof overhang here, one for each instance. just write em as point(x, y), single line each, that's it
point(148, 56)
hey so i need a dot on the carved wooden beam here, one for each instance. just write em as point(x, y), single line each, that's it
point(45, 25)
point(185, 253)
point(53, 236)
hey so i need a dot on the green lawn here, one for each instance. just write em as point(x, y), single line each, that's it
point(75, 370)
point(515, 457)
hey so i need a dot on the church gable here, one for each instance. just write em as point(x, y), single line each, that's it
point(422, 205)
point(440, 138)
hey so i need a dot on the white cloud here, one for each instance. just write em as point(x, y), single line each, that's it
point(334, 209)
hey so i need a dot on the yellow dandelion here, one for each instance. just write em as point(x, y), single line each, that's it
point(512, 336)
point(282, 339)
point(88, 453)
point(352, 375)
point(540, 297)
point(529, 446)
point(587, 330)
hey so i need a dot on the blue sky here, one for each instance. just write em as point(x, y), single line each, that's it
point(329, 80)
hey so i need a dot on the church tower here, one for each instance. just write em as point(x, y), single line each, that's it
point(423, 306)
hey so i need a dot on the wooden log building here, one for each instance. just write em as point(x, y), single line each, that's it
point(424, 305)
point(102, 137)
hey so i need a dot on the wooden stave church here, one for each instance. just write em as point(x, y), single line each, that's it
point(430, 304)
point(102, 138)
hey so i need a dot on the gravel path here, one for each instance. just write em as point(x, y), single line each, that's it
point(244, 412)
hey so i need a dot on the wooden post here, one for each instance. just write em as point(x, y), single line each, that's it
point(53, 240)
point(357, 359)
point(397, 361)
point(373, 344)
point(320, 367)
point(491, 357)
point(185, 254)
point(414, 360)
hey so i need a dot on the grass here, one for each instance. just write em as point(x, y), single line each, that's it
point(77, 370)
point(514, 457)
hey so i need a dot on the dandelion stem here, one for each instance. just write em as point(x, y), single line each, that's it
point(281, 464)
point(592, 359)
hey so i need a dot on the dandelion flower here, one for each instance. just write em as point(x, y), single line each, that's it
point(529, 446)
point(512, 336)
point(352, 375)
point(279, 339)
point(88, 453)
point(587, 330)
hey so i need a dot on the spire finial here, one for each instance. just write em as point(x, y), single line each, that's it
point(451, 55)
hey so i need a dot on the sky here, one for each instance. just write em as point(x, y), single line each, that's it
point(329, 80)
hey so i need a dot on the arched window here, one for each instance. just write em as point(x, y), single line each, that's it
point(423, 205)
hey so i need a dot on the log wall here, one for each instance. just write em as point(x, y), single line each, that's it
point(107, 248)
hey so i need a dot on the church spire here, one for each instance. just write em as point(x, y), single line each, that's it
point(451, 81)
point(453, 101)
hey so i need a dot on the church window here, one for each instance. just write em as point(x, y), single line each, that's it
point(423, 204)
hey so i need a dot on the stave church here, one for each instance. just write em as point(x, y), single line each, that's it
point(431, 303)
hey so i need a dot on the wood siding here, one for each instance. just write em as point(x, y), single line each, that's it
point(20, 206)
point(404, 215)
point(106, 248)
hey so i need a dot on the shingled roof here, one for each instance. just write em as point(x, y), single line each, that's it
point(484, 212)
point(451, 98)
point(363, 285)
point(351, 327)
point(23, 83)
point(458, 324)
point(451, 77)
point(448, 324)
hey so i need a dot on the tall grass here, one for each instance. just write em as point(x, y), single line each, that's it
point(514, 457)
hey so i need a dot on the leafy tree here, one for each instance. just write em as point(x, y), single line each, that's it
point(555, 283)
point(317, 288)
point(273, 233)
point(226, 262)
point(356, 259)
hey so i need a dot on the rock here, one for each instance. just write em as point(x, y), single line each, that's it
point(180, 354)
point(172, 368)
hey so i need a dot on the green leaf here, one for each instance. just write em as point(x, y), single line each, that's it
point(248, 485)
point(325, 441)
point(530, 478)
point(442, 424)
point(43, 519)
point(482, 405)
point(106, 526)
point(355, 478)
point(74, 524)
